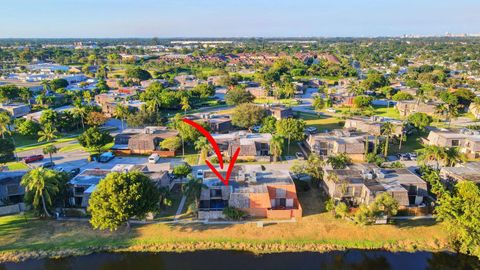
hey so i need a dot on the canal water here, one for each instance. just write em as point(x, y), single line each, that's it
point(231, 260)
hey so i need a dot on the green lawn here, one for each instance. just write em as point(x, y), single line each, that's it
point(287, 101)
point(322, 122)
point(390, 112)
point(316, 231)
point(412, 144)
point(21, 140)
point(43, 144)
point(16, 166)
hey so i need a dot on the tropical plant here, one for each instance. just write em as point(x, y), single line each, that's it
point(47, 134)
point(193, 187)
point(49, 150)
point(122, 112)
point(276, 146)
point(203, 146)
point(185, 104)
point(5, 121)
point(44, 185)
point(387, 130)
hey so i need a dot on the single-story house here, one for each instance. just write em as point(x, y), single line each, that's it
point(468, 141)
point(339, 141)
point(253, 146)
point(469, 171)
point(16, 109)
point(11, 192)
point(142, 141)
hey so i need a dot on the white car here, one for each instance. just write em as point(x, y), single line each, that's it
point(199, 174)
point(332, 110)
point(153, 158)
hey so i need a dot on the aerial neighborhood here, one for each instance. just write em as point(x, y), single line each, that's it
point(361, 135)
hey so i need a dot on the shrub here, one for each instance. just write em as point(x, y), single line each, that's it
point(233, 213)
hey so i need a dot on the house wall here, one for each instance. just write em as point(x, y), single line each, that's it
point(211, 215)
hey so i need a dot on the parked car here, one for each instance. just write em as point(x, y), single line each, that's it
point(331, 110)
point(73, 172)
point(403, 157)
point(413, 156)
point(199, 174)
point(300, 155)
point(106, 157)
point(48, 165)
point(256, 128)
point(33, 158)
point(153, 158)
point(311, 130)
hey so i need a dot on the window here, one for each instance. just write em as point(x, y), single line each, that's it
point(455, 143)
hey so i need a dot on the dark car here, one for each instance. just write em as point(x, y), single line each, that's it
point(33, 158)
point(74, 172)
point(48, 165)
point(300, 155)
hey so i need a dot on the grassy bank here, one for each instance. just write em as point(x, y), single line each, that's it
point(22, 238)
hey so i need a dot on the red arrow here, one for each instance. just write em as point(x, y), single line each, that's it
point(217, 152)
point(209, 138)
point(229, 170)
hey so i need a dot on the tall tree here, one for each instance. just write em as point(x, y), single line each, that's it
point(43, 184)
point(49, 150)
point(291, 129)
point(387, 131)
point(93, 138)
point(247, 115)
point(121, 196)
point(185, 104)
point(276, 146)
point(5, 121)
point(47, 134)
point(193, 188)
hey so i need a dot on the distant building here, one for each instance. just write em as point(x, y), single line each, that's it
point(253, 146)
point(468, 141)
point(338, 142)
point(37, 115)
point(373, 125)
point(280, 112)
point(16, 109)
point(469, 171)
point(407, 107)
point(142, 141)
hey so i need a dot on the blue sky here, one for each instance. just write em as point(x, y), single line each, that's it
point(236, 18)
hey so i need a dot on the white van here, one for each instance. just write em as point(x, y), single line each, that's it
point(153, 158)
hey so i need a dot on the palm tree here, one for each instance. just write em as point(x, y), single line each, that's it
point(203, 146)
point(185, 104)
point(452, 156)
point(80, 112)
point(193, 187)
point(40, 99)
point(49, 150)
point(441, 109)
point(5, 121)
point(388, 129)
point(276, 146)
point(46, 86)
point(44, 184)
point(122, 112)
point(47, 134)
point(431, 153)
